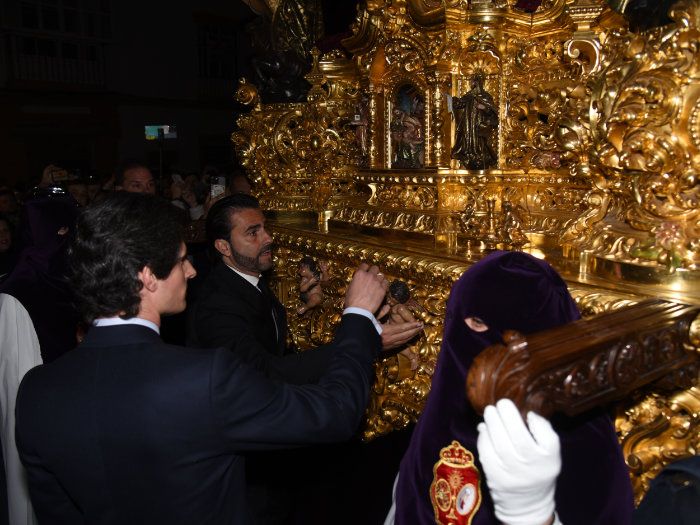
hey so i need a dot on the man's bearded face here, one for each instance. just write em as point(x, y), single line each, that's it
point(251, 244)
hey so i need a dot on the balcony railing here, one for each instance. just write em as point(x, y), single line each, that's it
point(55, 59)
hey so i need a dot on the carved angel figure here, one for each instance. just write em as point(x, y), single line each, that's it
point(401, 310)
point(311, 276)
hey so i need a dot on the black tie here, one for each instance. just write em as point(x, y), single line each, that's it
point(267, 294)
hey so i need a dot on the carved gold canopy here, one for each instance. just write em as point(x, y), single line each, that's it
point(590, 151)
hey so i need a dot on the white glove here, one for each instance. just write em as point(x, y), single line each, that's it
point(521, 466)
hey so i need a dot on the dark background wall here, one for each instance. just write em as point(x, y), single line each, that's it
point(79, 79)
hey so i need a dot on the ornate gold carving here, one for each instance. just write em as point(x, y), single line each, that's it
point(401, 387)
point(595, 302)
point(598, 155)
point(405, 202)
point(400, 196)
point(247, 93)
point(657, 430)
point(502, 229)
point(301, 155)
point(542, 78)
point(641, 149)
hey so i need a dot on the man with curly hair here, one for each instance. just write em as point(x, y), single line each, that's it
point(128, 429)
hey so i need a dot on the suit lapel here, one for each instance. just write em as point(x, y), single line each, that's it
point(261, 300)
point(277, 311)
point(237, 286)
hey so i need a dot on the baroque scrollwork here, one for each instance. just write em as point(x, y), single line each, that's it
point(389, 220)
point(302, 156)
point(402, 196)
point(657, 430)
point(402, 386)
point(642, 147)
point(598, 148)
point(541, 95)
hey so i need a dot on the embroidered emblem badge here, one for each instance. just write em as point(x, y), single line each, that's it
point(455, 492)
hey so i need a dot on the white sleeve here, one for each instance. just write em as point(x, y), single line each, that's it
point(392, 511)
point(364, 313)
point(19, 352)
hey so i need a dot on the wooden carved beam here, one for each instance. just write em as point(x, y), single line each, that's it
point(589, 363)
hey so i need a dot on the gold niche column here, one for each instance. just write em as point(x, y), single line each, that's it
point(376, 110)
point(439, 86)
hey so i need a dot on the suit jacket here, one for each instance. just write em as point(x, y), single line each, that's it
point(232, 313)
point(127, 429)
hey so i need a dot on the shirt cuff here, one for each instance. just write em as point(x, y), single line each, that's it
point(364, 313)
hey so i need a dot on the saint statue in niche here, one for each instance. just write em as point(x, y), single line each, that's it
point(406, 129)
point(476, 116)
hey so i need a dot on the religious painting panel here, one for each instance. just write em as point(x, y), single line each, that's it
point(406, 128)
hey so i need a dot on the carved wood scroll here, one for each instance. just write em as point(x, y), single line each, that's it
point(573, 368)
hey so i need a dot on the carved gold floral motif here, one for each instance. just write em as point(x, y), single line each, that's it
point(657, 430)
point(641, 149)
point(301, 155)
point(400, 391)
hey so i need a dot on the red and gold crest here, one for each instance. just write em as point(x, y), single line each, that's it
point(455, 491)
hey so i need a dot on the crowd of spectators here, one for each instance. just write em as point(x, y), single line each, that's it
point(267, 406)
point(189, 191)
point(39, 320)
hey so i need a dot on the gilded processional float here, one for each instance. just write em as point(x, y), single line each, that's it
point(450, 128)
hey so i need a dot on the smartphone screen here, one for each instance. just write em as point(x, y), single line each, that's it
point(218, 186)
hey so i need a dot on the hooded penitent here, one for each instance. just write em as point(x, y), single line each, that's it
point(39, 280)
point(506, 290)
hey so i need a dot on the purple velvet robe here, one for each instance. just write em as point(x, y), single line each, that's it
point(510, 290)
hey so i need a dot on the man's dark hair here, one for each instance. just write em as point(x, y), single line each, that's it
point(114, 240)
point(123, 167)
point(219, 216)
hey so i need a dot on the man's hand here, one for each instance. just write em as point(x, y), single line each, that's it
point(367, 289)
point(521, 463)
point(210, 201)
point(400, 328)
point(395, 335)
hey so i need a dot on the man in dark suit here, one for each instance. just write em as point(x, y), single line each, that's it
point(127, 429)
point(236, 308)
